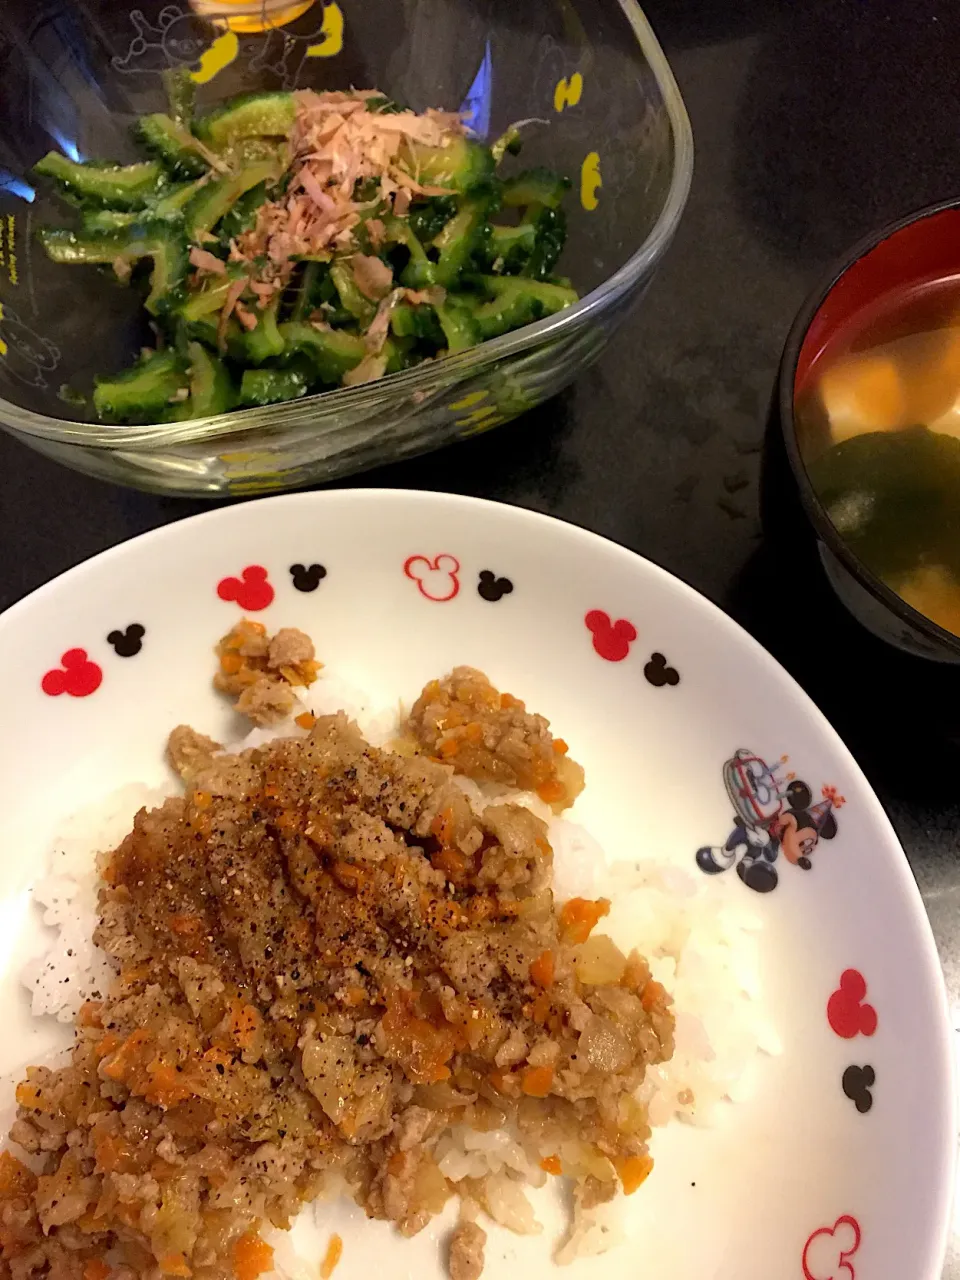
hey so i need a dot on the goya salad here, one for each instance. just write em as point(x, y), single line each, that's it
point(291, 242)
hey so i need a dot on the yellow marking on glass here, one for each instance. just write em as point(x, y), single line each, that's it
point(478, 415)
point(567, 93)
point(12, 249)
point(590, 181)
point(469, 401)
point(3, 345)
point(261, 484)
point(213, 60)
point(332, 32)
point(250, 23)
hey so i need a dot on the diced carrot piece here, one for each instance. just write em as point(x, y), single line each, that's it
point(449, 747)
point(579, 917)
point(396, 1163)
point(633, 1171)
point(537, 1082)
point(306, 720)
point(348, 874)
point(165, 1085)
point(106, 1044)
point(442, 915)
point(331, 1257)
point(175, 1264)
point(30, 1096)
point(128, 1214)
point(480, 907)
point(230, 662)
point(15, 1178)
point(202, 799)
point(287, 820)
point(309, 669)
point(251, 1256)
point(88, 1014)
point(474, 732)
point(112, 1154)
point(653, 994)
point(185, 924)
point(124, 1058)
point(551, 1164)
point(560, 747)
point(131, 974)
point(541, 969)
point(353, 997)
point(421, 1049)
point(507, 700)
point(450, 862)
point(245, 1022)
point(552, 791)
point(95, 1269)
point(442, 826)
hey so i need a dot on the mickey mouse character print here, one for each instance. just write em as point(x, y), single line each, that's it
point(774, 813)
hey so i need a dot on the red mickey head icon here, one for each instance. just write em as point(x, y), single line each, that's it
point(437, 578)
point(76, 675)
point(827, 1253)
point(847, 1014)
point(251, 590)
point(612, 640)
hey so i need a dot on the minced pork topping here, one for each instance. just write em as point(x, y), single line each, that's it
point(330, 969)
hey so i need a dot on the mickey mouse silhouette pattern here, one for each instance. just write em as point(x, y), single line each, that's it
point(774, 813)
point(491, 588)
point(77, 676)
point(307, 577)
point(827, 1253)
point(127, 643)
point(611, 640)
point(251, 591)
point(436, 579)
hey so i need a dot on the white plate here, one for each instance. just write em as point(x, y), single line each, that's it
point(794, 1182)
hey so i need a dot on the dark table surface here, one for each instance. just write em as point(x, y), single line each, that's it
point(814, 122)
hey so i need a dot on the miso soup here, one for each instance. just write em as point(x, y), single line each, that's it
point(878, 425)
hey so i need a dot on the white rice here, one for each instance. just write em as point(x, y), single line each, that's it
point(700, 940)
point(71, 969)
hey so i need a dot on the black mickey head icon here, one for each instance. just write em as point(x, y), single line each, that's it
point(659, 673)
point(127, 644)
point(857, 1083)
point(492, 588)
point(307, 577)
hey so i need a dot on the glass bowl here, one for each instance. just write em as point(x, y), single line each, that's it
point(896, 261)
point(75, 73)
